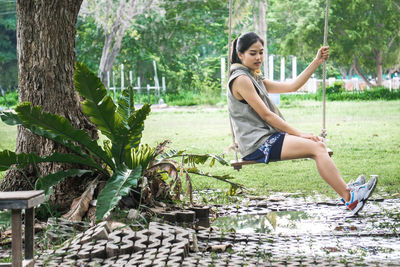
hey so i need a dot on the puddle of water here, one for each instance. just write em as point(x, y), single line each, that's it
point(283, 222)
point(314, 229)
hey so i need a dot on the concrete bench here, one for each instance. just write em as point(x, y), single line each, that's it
point(16, 201)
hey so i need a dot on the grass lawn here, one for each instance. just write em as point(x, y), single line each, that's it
point(365, 138)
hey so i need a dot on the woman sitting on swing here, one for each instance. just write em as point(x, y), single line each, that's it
point(262, 133)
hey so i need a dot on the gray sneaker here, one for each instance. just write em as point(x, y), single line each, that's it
point(360, 194)
point(359, 181)
point(353, 184)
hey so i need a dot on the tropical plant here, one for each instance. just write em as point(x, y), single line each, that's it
point(121, 158)
point(121, 161)
point(178, 166)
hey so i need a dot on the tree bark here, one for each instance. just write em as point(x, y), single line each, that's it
point(379, 66)
point(256, 18)
point(343, 72)
point(263, 7)
point(358, 71)
point(351, 72)
point(46, 65)
point(110, 51)
point(114, 33)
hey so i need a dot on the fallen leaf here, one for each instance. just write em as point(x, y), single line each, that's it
point(166, 165)
point(80, 205)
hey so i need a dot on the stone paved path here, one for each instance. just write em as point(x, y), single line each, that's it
point(298, 232)
point(339, 239)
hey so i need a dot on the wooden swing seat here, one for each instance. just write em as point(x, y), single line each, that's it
point(237, 164)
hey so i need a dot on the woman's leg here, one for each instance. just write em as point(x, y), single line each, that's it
point(295, 147)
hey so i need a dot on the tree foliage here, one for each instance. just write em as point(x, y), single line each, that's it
point(358, 31)
point(8, 46)
point(114, 18)
point(187, 38)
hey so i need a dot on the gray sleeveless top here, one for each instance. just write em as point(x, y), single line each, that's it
point(251, 131)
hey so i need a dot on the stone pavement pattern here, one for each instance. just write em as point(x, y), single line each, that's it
point(370, 239)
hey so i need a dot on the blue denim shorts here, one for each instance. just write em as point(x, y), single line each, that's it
point(269, 151)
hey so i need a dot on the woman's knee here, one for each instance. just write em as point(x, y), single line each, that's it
point(319, 148)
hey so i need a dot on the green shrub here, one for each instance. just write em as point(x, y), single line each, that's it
point(193, 98)
point(11, 99)
point(336, 88)
point(194, 84)
point(338, 93)
point(375, 93)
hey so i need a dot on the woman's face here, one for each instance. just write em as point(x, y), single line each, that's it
point(253, 57)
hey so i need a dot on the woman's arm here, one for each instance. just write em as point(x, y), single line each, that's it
point(242, 87)
point(293, 86)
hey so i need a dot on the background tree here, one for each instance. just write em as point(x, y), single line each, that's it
point(46, 64)
point(363, 34)
point(185, 38)
point(8, 44)
point(296, 27)
point(262, 28)
point(368, 34)
point(114, 17)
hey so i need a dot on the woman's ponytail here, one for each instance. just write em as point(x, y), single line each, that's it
point(234, 53)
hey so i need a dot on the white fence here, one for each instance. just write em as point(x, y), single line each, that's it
point(143, 92)
point(312, 84)
point(353, 84)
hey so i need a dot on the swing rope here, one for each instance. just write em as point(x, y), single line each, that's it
point(237, 164)
point(229, 74)
point(323, 132)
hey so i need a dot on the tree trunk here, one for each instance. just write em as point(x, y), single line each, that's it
point(343, 72)
point(379, 68)
point(102, 73)
point(358, 71)
point(263, 31)
point(256, 18)
point(263, 6)
point(351, 72)
point(46, 65)
point(111, 55)
point(115, 32)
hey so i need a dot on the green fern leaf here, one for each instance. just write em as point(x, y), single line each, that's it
point(10, 118)
point(103, 115)
point(136, 125)
point(45, 183)
point(59, 129)
point(13, 119)
point(97, 105)
point(9, 158)
point(117, 186)
point(126, 104)
point(88, 85)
